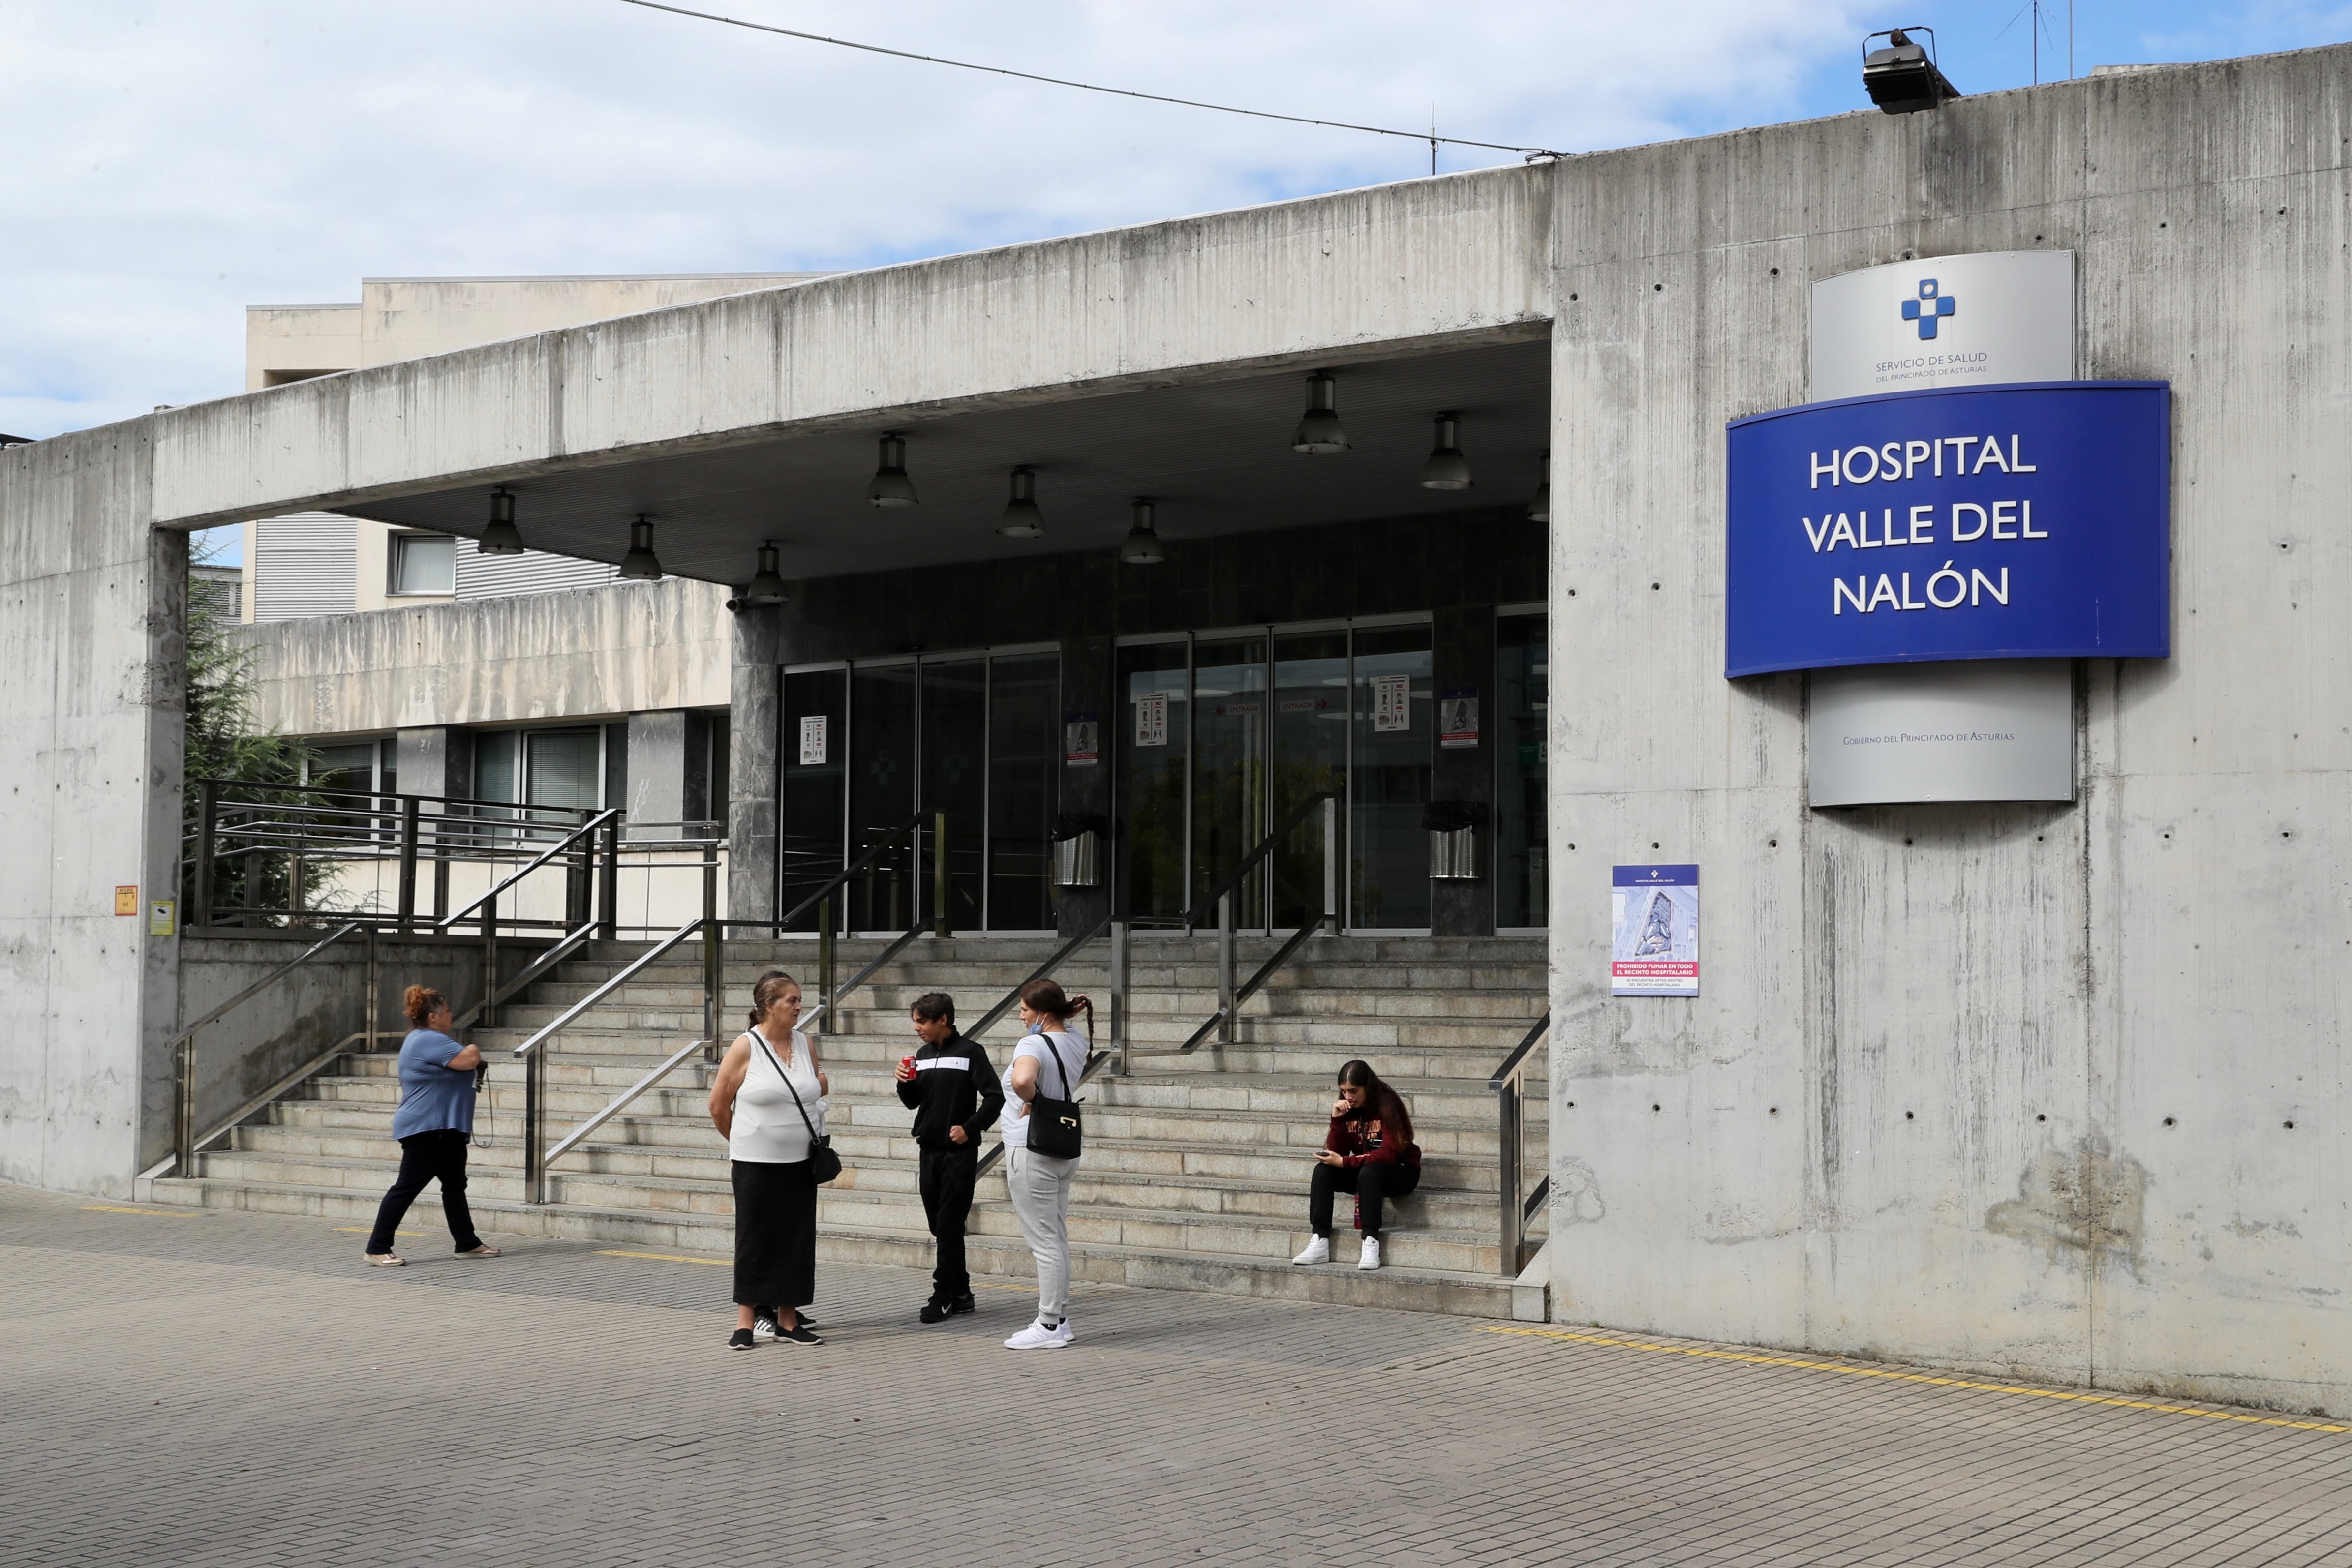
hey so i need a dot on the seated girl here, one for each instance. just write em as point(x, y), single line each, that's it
point(1370, 1152)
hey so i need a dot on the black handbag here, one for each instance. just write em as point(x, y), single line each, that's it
point(1055, 1129)
point(824, 1164)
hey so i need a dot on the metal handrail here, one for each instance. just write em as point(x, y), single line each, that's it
point(854, 868)
point(284, 1086)
point(183, 1046)
point(1061, 956)
point(572, 1139)
point(1510, 1147)
point(601, 992)
point(611, 814)
point(535, 1160)
point(1208, 900)
point(1246, 990)
point(1232, 995)
point(498, 990)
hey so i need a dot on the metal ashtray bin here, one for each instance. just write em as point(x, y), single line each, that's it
point(1077, 852)
point(1453, 838)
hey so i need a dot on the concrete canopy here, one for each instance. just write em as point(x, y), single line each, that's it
point(1213, 454)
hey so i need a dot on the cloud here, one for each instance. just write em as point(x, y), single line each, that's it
point(173, 163)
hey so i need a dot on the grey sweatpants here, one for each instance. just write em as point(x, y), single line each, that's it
point(1040, 1185)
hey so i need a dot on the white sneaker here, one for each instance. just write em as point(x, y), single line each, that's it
point(764, 1330)
point(1038, 1336)
point(1371, 1258)
point(1317, 1251)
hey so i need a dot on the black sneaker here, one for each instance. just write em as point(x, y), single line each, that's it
point(962, 1304)
point(740, 1340)
point(935, 1310)
point(797, 1335)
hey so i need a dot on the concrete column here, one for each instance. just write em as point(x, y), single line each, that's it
point(755, 709)
point(1086, 791)
point(1463, 659)
point(93, 604)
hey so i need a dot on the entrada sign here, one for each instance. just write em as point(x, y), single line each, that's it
point(2025, 522)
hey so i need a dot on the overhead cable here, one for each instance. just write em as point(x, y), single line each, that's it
point(1430, 137)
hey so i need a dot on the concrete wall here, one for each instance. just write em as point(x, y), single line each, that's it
point(592, 651)
point(94, 621)
point(2056, 1089)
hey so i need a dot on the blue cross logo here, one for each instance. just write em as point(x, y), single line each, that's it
point(1931, 306)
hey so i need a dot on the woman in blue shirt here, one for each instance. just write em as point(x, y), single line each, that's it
point(434, 1120)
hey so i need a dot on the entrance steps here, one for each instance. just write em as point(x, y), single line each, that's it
point(1196, 1168)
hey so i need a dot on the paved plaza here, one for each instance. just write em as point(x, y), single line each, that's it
point(196, 1387)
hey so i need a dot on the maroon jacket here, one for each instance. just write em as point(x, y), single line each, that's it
point(1356, 1136)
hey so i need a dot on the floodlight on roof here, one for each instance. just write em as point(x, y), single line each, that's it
point(1903, 78)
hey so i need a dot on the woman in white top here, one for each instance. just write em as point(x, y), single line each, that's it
point(1049, 1062)
point(768, 1100)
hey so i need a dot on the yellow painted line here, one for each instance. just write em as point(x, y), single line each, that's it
point(370, 1230)
point(666, 1257)
point(152, 1213)
point(1932, 1381)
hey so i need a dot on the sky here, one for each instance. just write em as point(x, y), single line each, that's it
point(168, 164)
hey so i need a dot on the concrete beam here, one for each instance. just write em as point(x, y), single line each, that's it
point(1442, 259)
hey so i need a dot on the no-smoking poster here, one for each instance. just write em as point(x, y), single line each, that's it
point(1653, 926)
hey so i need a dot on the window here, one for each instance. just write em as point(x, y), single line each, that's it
point(423, 563)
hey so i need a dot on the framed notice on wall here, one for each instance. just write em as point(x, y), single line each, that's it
point(1457, 720)
point(1654, 931)
point(813, 740)
point(1079, 747)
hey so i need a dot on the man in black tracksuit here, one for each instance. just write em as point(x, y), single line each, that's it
point(954, 1094)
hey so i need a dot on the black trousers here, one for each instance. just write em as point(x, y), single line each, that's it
point(948, 1176)
point(775, 1234)
point(439, 1155)
point(1372, 1185)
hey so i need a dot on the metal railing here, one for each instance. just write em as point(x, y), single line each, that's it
point(537, 1153)
point(1510, 1148)
point(186, 1139)
point(1231, 994)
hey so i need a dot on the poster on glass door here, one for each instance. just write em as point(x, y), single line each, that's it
point(1392, 702)
point(1151, 719)
point(813, 740)
point(1654, 931)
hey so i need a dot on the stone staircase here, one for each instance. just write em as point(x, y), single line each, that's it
point(1196, 1169)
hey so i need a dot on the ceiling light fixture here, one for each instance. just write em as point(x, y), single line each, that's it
point(1446, 469)
point(891, 487)
point(640, 564)
point(767, 586)
point(500, 538)
point(1319, 430)
point(1143, 546)
point(1540, 508)
point(1022, 519)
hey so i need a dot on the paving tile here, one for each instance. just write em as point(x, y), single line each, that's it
point(233, 1388)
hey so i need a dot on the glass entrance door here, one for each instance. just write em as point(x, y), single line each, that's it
point(1226, 734)
point(1310, 755)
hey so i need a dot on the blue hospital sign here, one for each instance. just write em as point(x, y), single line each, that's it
point(2004, 522)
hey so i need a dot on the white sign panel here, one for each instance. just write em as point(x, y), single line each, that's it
point(812, 747)
point(1976, 729)
point(1945, 320)
point(1392, 702)
point(1151, 719)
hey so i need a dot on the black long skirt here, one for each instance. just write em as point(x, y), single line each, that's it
point(775, 1235)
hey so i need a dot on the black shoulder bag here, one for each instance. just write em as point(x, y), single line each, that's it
point(1055, 1130)
point(824, 1164)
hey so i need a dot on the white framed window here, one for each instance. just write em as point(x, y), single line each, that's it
point(423, 563)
